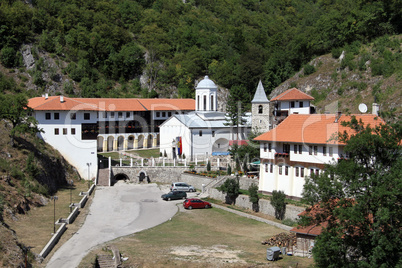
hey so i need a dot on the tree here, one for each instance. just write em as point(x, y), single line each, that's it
point(231, 188)
point(279, 204)
point(360, 200)
point(14, 109)
point(229, 171)
point(253, 196)
point(208, 166)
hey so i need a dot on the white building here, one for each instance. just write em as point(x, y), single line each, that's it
point(292, 101)
point(260, 110)
point(204, 132)
point(299, 146)
point(79, 127)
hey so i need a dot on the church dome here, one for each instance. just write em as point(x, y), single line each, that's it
point(206, 83)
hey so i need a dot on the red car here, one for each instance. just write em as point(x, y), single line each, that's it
point(196, 203)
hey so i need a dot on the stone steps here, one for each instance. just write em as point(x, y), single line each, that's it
point(103, 177)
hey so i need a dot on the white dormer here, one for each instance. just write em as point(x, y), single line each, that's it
point(205, 95)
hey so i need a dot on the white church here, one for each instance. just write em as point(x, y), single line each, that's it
point(206, 131)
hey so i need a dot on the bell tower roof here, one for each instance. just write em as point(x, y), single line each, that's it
point(260, 96)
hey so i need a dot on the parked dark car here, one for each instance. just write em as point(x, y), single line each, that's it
point(196, 203)
point(174, 195)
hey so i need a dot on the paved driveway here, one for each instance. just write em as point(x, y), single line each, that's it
point(115, 211)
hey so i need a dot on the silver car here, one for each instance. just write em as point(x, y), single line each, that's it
point(182, 186)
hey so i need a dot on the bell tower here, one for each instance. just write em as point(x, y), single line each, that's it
point(260, 110)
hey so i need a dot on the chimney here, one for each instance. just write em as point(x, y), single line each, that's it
point(375, 109)
point(339, 114)
point(46, 96)
point(61, 99)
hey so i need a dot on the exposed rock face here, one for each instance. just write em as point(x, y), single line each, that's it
point(29, 61)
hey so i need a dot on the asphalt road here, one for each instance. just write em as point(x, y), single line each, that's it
point(114, 212)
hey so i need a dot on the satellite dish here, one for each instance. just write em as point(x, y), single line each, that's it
point(362, 108)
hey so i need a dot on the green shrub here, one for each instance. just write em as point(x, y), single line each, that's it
point(336, 52)
point(253, 196)
point(309, 69)
point(9, 57)
point(279, 204)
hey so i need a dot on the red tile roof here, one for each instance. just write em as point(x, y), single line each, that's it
point(314, 128)
point(53, 103)
point(292, 94)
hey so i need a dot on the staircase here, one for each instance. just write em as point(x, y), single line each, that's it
point(103, 177)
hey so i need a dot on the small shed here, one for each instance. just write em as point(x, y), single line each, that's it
point(273, 253)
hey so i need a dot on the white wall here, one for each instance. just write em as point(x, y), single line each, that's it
point(285, 106)
point(76, 151)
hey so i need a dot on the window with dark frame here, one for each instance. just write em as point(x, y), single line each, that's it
point(286, 170)
point(56, 131)
point(56, 116)
point(295, 148)
point(286, 148)
point(120, 114)
point(317, 172)
point(48, 116)
point(280, 170)
point(302, 172)
point(315, 150)
point(300, 149)
point(271, 168)
point(265, 147)
point(292, 104)
point(311, 171)
point(112, 114)
point(213, 133)
point(163, 114)
point(104, 114)
point(324, 150)
point(200, 133)
point(300, 104)
point(297, 171)
point(310, 150)
point(331, 151)
point(64, 131)
point(128, 114)
point(73, 116)
point(260, 109)
point(73, 131)
point(266, 167)
point(269, 147)
point(87, 116)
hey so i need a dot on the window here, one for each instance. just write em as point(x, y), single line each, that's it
point(104, 114)
point(266, 167)
point(271, 169)
point(280, 170)
point(317, 172)
point(286, 148)
point(64, 131)
point(300, 149)
point(128, 114)
point(163, 114)
point(260, 109)
point(213, 133)
point(295, 149)
point(73, 131)
point(205, 103)
point(311, 171)
point(292, 104)
point(56, 131)
point(315, 150)
point(112, 114)
point(286, 170)
point(297, 171)
point(269, 147)
point(158, 114)
point(120, 114)
point(302, 172)
point(265, 147)
point(301, 104)
point(48, 116)
point(324, 150)
point(73, 116)
point(56, 116)
point(198, 102)
point(331, 151)
point(310, 150)
point(169, 114)
point(87, 116)
point(200, 133)
point(212, 102)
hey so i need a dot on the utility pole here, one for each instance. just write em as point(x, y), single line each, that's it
point(54, 198)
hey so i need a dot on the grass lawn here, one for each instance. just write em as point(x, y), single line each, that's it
point(199, 238)
point(36, 227)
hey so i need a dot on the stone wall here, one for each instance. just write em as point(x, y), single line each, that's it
point(265, 205)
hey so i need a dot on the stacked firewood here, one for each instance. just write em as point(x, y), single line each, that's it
point(281, 240)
